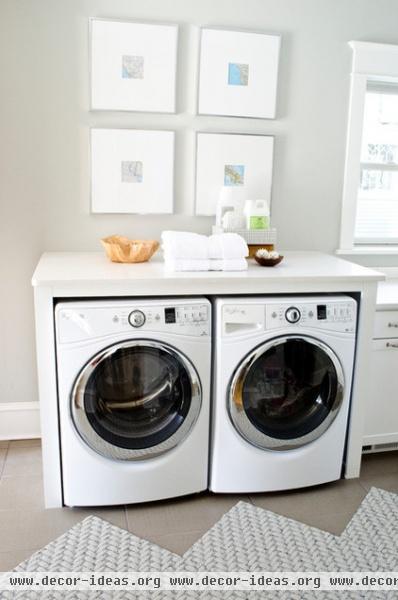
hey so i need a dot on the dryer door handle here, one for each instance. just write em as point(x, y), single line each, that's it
point(163, 389)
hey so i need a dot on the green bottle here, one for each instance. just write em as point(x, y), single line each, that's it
point(257, 214)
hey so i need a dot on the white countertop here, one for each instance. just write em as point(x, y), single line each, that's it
point(70, 271)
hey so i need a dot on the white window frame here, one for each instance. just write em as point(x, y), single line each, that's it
point(370, 63)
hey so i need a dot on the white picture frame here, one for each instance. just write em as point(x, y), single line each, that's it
point(237, 166)
point(133, 66)
point(132, 171)
point(238, 73)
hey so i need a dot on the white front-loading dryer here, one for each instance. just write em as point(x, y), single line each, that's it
point(133, 393)
point(282, 387)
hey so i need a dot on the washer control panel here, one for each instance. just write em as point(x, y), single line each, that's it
point(79, 321)
point(173, 318)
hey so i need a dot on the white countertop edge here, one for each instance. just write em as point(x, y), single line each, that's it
point(196, 280)
point(74, 269)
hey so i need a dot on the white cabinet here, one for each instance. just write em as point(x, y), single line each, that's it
point(381, 421)
point(386, 324)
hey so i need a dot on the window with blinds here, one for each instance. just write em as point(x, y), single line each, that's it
point(377, 202)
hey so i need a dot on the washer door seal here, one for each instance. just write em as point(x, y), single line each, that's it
point(286, 393)
point(136, 400)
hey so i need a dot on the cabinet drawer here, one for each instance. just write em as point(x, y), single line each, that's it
point(386, 324)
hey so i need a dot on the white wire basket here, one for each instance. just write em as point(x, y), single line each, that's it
point(256, 236)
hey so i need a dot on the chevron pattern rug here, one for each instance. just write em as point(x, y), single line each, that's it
point(246, 538)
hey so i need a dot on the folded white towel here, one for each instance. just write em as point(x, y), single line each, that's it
point(187, 264)
point(227, 245)
point(213, 264)
point(228, 264)
point(184, 244)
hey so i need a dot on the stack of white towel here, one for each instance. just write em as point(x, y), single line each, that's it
point(185, 251)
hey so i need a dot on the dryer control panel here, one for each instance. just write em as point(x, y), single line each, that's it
point(83, 321)
point(337, 315)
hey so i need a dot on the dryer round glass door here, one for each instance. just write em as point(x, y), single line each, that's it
point(136, 400)
point(286, 393)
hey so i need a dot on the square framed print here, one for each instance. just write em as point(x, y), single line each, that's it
point(133, 66)
point(132, 171)
point(237, 164)
point(238, 73)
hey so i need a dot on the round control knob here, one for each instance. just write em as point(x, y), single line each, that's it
point(136, 318)
point(292, 315)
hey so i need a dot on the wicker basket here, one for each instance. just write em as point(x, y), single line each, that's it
point(121, 249)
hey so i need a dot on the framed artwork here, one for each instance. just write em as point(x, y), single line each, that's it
point(132, 171)
point(237, 165)
point(238, 73)
point(133, 66)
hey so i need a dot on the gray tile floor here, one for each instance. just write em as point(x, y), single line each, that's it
point(26, 526)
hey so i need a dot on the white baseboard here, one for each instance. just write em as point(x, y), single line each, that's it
point(19, 420)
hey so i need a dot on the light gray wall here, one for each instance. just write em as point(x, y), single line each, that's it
point(44, 125)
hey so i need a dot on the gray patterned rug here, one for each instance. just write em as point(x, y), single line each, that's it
point(375, 523)
point(246, 538)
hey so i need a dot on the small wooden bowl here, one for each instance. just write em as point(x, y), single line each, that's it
point(268, 262)
point(121, 249)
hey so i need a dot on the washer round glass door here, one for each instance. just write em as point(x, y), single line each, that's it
point(286, 393)
point(136, 400)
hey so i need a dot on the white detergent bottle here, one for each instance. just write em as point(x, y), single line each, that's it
point(257, 214)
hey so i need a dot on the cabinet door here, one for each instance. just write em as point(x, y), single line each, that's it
point(381, 421)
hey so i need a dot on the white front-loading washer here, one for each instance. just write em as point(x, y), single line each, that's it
point(133, 393)
point(282, 386)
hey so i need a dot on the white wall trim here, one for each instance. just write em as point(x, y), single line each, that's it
point(370, 61)
point(352, 160)
point(19, 420)
point(369, 250)
point(374, 59)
